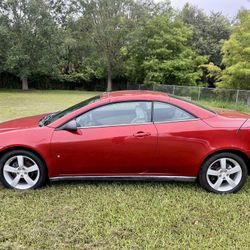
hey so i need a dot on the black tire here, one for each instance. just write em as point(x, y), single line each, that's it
point(203, 178)
point(41, 180)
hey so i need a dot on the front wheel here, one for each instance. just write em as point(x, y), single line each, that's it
point(223, 173)
point(21, 169)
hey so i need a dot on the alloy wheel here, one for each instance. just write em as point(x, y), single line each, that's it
point(21, 172)
point(224, 174)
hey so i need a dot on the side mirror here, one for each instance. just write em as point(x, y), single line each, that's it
point(70, 126)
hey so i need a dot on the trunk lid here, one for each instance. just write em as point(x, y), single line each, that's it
point(227, 119)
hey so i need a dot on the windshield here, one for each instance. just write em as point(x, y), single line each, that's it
point(194, 103)
point(55, 116)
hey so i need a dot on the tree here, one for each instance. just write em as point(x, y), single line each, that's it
point(209, 32)
point(161, 54)
point(79, 58)
point(4, 38)
point(106, 24)
point(33, 47)
point(62, 11)
point(236, 55)
point(211, 74)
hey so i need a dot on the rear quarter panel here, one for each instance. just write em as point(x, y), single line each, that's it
point(183, 146)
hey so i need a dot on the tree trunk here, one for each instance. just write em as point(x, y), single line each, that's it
point(25, 85)
point(109, 83)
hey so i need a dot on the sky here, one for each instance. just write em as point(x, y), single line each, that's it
point(227, 7)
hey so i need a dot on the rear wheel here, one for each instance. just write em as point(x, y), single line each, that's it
point(21, 169)
point(223, 173)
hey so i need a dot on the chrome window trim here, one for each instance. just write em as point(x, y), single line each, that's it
point(116, 125)
point(125, 177)
point(186, 120)
point(136, 124)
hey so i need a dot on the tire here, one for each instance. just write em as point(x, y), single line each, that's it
point(223, 173)
point(22, 169)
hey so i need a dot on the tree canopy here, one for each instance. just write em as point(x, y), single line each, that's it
point(33, 39)
point(209, 32)
point(84, 41)
point(161, 53)
point(236, 54)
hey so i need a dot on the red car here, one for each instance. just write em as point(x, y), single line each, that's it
point(128, 135)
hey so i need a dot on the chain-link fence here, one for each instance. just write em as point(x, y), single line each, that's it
point(234, 96)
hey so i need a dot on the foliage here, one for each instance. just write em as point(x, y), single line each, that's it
point(106, 25)
point(33, 43)
point(209, 31)
point(211, 74)
point(4, 41)
point(78, 55)
point(236, 55)
point(84, 41)
point(160, 53)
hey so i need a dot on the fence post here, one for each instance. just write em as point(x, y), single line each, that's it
point(199, 93)
point(237, 97)
point(173, 89)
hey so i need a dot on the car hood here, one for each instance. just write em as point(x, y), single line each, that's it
point(21, 123)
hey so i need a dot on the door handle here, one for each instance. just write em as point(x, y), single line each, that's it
point(141, 134)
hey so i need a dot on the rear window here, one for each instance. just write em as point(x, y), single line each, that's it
point(165, 112)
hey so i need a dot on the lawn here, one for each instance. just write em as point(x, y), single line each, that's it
point(225, 105)
point(15, 103)
point(115, 215)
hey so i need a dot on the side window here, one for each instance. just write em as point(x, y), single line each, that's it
point(116, 114)
point(164, 112)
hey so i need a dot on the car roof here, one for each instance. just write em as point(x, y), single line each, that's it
point(136, 95)
point(133, 94)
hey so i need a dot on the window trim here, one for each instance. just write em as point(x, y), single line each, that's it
point(195, 119)
point(117, 125)
point(173, 121)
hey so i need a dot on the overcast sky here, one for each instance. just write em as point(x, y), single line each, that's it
point(227, 7)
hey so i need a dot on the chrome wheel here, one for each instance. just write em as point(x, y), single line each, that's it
point(21, 172)
point(224, 174)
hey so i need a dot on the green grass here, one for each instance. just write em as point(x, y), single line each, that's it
point(226, 105)
point(115, 215)
point(16, 103)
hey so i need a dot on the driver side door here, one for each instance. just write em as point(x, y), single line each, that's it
point(114, 139)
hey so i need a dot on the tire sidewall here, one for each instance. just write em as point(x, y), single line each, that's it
point(203, 172)
point(35, 158)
